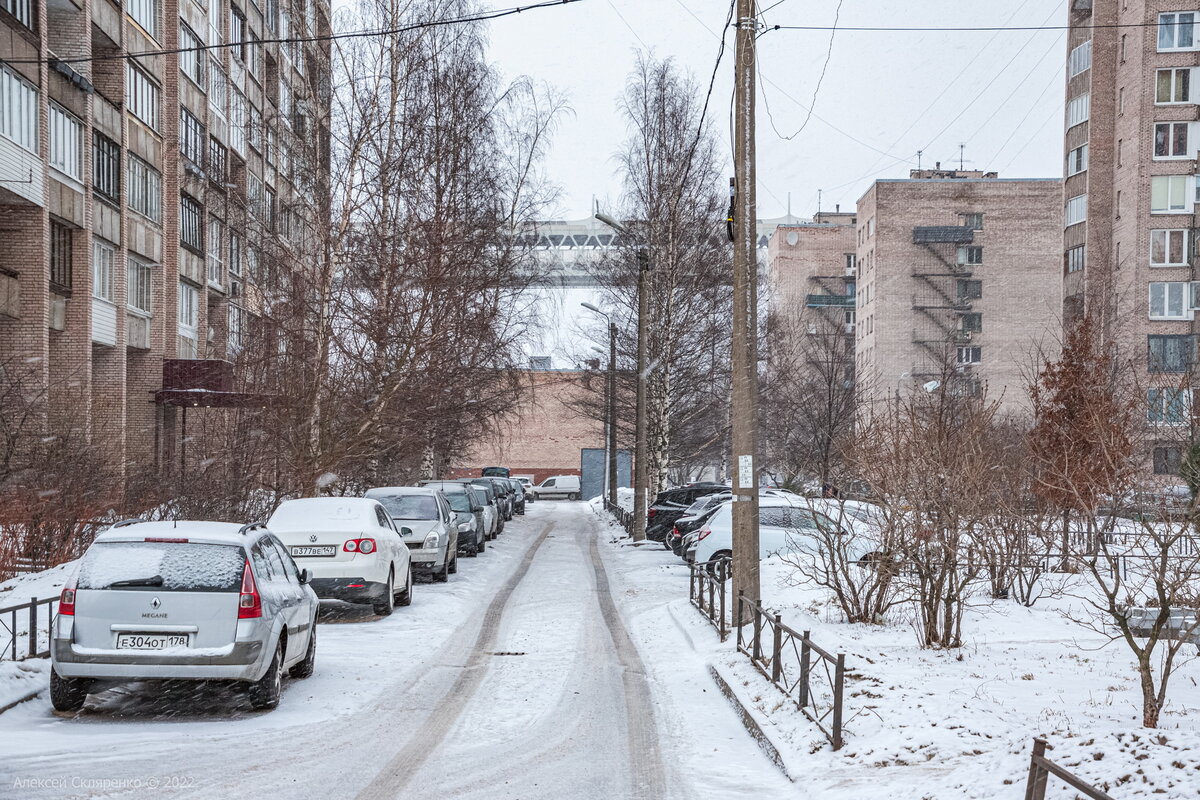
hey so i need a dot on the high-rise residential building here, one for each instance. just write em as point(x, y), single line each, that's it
point(1131, 194)
point(958, 280)
point(811, 265)
point(163, 166)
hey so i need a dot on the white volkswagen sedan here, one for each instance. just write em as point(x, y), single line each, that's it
point(350, 547)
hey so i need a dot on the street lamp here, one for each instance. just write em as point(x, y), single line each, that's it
point(639, 446)
point(610, 404)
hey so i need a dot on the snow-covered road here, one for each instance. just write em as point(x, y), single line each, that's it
point(518, 679)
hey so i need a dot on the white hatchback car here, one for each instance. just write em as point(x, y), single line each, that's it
point(351, 548)
point(183, 601)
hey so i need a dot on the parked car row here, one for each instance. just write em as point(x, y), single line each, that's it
point(188, 600)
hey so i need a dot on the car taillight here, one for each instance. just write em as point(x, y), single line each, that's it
point(703, 532)
point(675, 531)
point(650, 514)
point(167, 540)
point(249, 603)
point(364, 546)
point(66, 600)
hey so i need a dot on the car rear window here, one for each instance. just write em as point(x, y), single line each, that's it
point(162, 567)
point(410, 506)
point(459, 501)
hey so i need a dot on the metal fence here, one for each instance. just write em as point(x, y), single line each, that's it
point(1040, 770)
point(706, 590)
point(786, 658)
point(17, 644)
point(623, 517)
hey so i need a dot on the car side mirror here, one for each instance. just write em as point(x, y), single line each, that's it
point(305, 577)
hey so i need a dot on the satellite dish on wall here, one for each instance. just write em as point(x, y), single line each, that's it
point(931, 386)
point(792, 238)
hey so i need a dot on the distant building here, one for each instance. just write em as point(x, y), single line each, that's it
point(812, 265)
point(959, 276)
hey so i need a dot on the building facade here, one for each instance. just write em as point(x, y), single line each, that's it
point(958, 279)
point(1131, 193)
point(163, 168)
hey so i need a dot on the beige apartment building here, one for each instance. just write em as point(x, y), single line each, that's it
point(811, 265)
point(1131, 192)
point(162, 164)
point(958, 280)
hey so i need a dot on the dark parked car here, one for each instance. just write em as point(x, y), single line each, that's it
point(518, 495)
point(693, 517)
point(499, 500)
point(669, 506)
point(505, 493)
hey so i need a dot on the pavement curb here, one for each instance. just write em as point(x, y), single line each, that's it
point(750, 723)
point(20, 700)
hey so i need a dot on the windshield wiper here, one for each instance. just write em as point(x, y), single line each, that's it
point(157, 580)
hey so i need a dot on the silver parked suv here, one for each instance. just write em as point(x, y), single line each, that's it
point(183, 600)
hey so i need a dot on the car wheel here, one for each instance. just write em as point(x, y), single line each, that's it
point(264, 692)
point(305, 667)
point(480, 544)
point(667, 543)
point(406, 598)
point(443, 575)
point(573, 496)
point(384, 606)
point(68, 694)
point(473, 550)
point(722, 558)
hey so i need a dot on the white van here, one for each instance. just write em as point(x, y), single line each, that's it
point(558, 486)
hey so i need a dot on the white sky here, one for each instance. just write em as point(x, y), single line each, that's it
point(1000, 94)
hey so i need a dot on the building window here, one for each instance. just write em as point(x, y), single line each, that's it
point(1080, 59)
point(18, 110)
point(1076, 210)
point(144, 189)
point(1076, 258)
point(969, 289)
point(60, 255)
point(269, 209)
point(973, 220)
point(1173, 86)
point(1168, 460)
point(142, 95)
point(218, 87)
point(1169, 353)
point(22, 10)
point(217, 160)
point(189, 320)
point(141, 285)
point(235, 254)
point(191, 55)
point(237, 32)
point(971, 254)
point(972, 323)
point(1176, 31)
point(1168, 406)
point(1078, 109)
point(1170, 140)
point(970, 355)
point(214, 21)
point(191, 216)
point(1169, 300)
point(254, 57)
point(103, 256)
point(145, 13)
point(106, 167)
point(191, 137)
point(1169, 194)
point(1169, 248)
point(1077, 160)
point(216, 268)
point(66, 142)
point(237, 328)
point(237, 122)
point(254, 130)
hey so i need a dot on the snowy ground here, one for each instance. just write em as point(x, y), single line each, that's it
point(518, 679)
point(933, 725)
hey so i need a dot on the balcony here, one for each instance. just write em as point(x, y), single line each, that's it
point(943, 234)
point(844, 301)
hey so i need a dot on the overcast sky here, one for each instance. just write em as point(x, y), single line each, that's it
point(885, 95)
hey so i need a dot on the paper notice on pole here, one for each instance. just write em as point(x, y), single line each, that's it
point(745, 472)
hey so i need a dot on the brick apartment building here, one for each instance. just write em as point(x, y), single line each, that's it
point(547, 432)
point(812, 265)
point(141, 199)
point(959, 276)
point(1131, 193)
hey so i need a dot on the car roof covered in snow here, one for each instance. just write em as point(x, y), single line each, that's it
point(325, 513)
point(192, 530)
point(392, 491)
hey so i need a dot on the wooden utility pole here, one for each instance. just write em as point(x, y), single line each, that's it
point(744, 414)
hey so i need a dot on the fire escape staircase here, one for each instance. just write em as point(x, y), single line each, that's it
point(937, 279)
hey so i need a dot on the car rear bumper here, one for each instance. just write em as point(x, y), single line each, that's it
point(239, 661)
point(352, 590)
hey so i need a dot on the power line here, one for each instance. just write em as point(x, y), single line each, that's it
point(816, 91)
point(968, 29)
point(627, 25)
point(483, 16)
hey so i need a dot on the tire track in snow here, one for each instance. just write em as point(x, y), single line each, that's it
point(391, 781)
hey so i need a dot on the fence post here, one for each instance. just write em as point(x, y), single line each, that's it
point(724, 631)
point(839, 680)
point(33, 615)
point(691, 582)
point(1035, 787)
point(777, 649)
point(757, 656)
point(805, 656)
point(738, 621)
point(711, 589)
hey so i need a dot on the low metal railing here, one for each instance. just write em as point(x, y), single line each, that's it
point(818, 689)
point(1040, 770)
point(624, 518)
point(706, 591)
point(11, 637)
